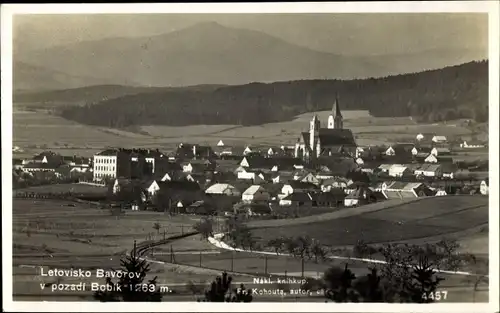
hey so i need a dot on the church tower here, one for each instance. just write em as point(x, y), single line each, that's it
point(335, 120)
point(314, 126)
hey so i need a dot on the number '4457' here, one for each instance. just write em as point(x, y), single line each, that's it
point(436, 295)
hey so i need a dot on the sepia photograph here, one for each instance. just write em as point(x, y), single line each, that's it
point(300, 157)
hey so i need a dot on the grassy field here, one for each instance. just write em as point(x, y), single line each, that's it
point(74, 188)
point(431, 217)
point(38, 131)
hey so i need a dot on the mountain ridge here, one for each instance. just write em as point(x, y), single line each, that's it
point(210, 53)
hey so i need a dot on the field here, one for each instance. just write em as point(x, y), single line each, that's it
point(64, 236)
point(415, 220)
point(59, 188)
point(38, 131)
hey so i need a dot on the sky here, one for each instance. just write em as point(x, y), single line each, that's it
point(340, 33)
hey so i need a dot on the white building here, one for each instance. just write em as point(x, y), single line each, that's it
point(484, 187)
point(223, 189)
point(431, 158)
point(471, 145)
point(220, 144)
point(255, 193)
point(439, 139)
point(437, 151)
point(106, 164)
point(420, 137)
point(429, 170)
point(398, 170)
point(390, 151)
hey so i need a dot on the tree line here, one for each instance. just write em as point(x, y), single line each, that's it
point(437, 95)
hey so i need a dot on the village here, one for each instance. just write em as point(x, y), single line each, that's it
point(325, 170)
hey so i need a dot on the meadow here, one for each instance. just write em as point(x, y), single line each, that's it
point(416, 220)
point(38, 131)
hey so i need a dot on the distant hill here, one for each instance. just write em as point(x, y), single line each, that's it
point(29, 77)
point(445, 94)
point(206, 53)
point(209, 53)
point(90, 94)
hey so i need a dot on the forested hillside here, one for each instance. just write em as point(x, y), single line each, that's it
point(453, 92)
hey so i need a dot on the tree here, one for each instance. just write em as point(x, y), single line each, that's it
point(424, 282)
point(205, 227)
point(157, 227)
point(338, 284)
point(317, 251)
point(131, 286)
point(277, 244)
point(221, 291)
point(369, 287)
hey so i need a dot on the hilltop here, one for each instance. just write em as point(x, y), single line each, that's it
point(436, 95)
point(210, 53)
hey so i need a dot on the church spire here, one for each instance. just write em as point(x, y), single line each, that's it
point(336, 107)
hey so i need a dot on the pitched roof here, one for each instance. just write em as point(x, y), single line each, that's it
point(331, 137)
point(221, 188)
point(179, 185)
point(299, 197)
point(301, 185)
point(253, 190)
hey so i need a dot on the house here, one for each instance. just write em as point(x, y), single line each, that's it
point(41, 167)
point(17, 164)
point(297, 199)
point(223, 189)
point(309, 178)
point(420, 137)
point(484, 187)
point(198, 167)
point(255, 176)
point(390, 151)
point(151, 187)
point(400, 190)
point(48, 157)
point(178, 194)
point(440, 192)
point(398, 170)
point(282, 177)
point(189, 151)
point(332, 183)
point(123, 163)
point(247, 150)
point(416, 150)
point(334, 198)
point(200, 207)
point(448, 170)
point(429, 170)
point(439, 139)
point(472, 144)
point(431, 158)
point(252, 209)
point(297, 186)
point(255, 193)
point(439, 151)
point(227, 151)
point(220, 143)
point(338, 166)
point(357, 197)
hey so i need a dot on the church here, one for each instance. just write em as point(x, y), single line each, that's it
point(333, 140)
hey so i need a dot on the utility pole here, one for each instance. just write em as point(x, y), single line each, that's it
point(135, 248)
point(200, 258)
point(302, 267)
point(265, 266)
